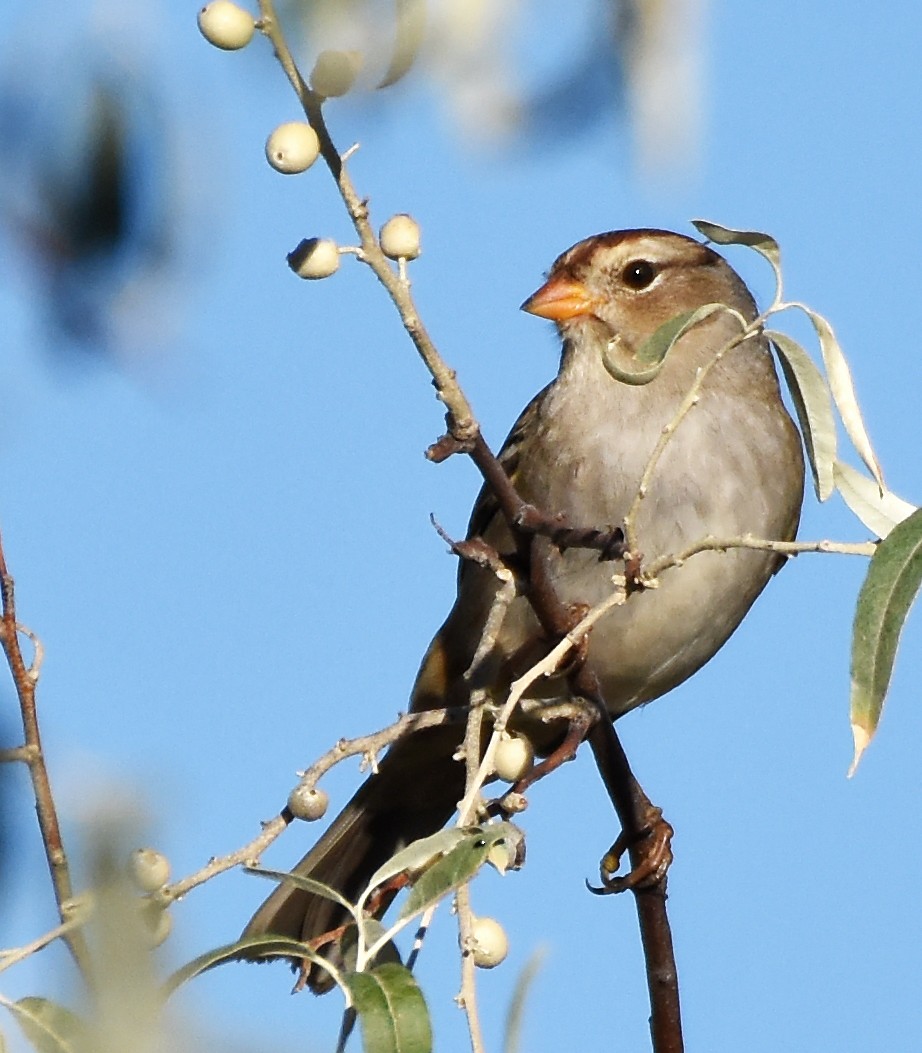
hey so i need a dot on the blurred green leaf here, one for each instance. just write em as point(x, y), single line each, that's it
point(51, 1028)
point(813, 405)
point(880, 512)
point(891, 585)
point(391, 1009)
point(526, 978)
point(411, 28)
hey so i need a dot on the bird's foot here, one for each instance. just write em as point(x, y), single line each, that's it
point(651, 849)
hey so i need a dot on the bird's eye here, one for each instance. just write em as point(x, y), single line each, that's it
point(638, 274)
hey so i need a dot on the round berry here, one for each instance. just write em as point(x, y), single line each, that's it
point(490, 943)
point(315, 258)
point(308, 804)
point(334, 72)
point(293, 147)
point(226, 25)
point(514, 757)
point(400, 237)
point(149, 869)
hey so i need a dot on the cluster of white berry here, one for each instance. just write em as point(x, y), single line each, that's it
point(294, 146)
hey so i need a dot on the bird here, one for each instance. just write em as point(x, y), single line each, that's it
point(732, 466)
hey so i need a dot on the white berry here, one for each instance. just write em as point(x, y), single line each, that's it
point(149, 869)
point(226, 25)
point(315, 258)
point(514, 757)
point(334, 72)
point(400, 237)
point(490, 943)
point(308, 804)
point(157, 923)
point(293, 147)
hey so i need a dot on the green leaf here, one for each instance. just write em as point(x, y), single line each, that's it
point(652, 352)
point(892, 582)
point(843, 392)
point(51, 1028)
point(764, 244)
point(453, 869)
point(880, 512)
point(305, 883)
point(391, 1009)
point(513, 1027)
point(250, 948)
point(813, 405)
point(411, 28)
point(417, 855)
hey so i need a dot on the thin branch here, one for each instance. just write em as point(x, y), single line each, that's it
point(25, 678)
point(467, 996)
point(365, 745)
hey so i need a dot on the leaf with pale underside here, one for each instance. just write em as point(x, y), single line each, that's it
point(892, 582)
point(813, 405)
point(843, 392)
point(306, 884)
point(418, 855)
point(880, 512)
point(449, 872)
point(652, 352)
point(391, 1010)
point(762, 243)
point(250, 948)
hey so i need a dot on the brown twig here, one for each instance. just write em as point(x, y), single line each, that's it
point(533, 529)
point(25, 678)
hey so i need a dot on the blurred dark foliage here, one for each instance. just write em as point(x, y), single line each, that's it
point(85, 196)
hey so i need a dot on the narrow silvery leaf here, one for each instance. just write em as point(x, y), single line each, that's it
point(762, 243)
point(318, 888)
point(391, 1010)
point(753, 239)
point(652, 352)
point(880, 512)
point(250, 948)
point(843, 392)
point(418, 854)
point(892, 582)
point(813, 406)
point(453, 869)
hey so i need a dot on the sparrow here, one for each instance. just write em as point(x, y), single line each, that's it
point(733, 466)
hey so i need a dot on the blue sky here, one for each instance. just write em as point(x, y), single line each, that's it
point(223, 540)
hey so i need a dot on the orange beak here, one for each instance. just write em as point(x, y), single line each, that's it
point(561, 299)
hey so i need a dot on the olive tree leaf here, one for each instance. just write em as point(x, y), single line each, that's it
point(652, 352)
point(306, 884)
point(391, 1010)
point(843, 392)
point(411, 27)
point(880, 512)
point(762, 243)
point(417, 855)
point(813, 405)
point(250, 948)
point(892, 582)
point(50, 1027)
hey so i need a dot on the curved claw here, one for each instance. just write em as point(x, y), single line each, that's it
point(654, 848)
